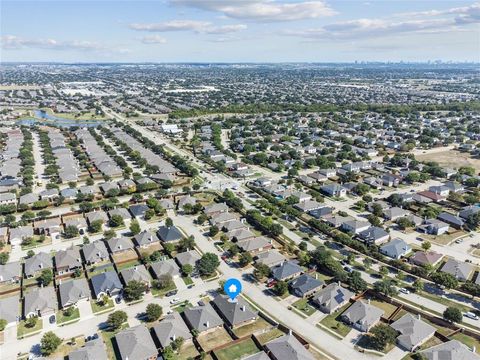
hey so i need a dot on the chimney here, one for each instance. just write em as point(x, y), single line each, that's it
point(474, 349)
point(207, 324)
point(174, 337)
point(368, 301)
point(289, 331)
point(339, 284)
point(243, 308)
point(419, 317)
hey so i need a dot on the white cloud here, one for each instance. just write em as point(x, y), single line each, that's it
point(15, 42)
point(262, 10)
point(205, 27)
point(433, 22)
point(153, 39)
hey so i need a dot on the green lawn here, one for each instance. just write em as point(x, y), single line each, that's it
point(269, 336)
point(334, 323)
point(96, 307)
point(238, 350)
point(304, 307)
point(62, 318)
point(187, 280)
point(251, 328)
point(127, 265)
point(162, 292)
point(181, 307)
point(467, 340)
point(23, 331)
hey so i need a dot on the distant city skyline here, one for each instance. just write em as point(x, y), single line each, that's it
point(239, 31)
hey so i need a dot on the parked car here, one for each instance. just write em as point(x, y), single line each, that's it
point(348, 269)
point(471, 315)
point(52, 319)
point(175, 300)
point(171, 293)
point(118, 299)
point(404, 291)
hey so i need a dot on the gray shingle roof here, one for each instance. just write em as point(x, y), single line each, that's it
point(167, 234)
point(9, 307)
point(287, 347)
point(305, 283)
point(412, 330)
point(93, 350)
point(145, 238)
point(363, 314)
point(451, 350)
point(202, 318)
point(234, 313)
point(332, 296)
point(136, 343)
point(10, 271)
point(38, 262)
point(119, 244)
point(461, 270)
point(285, 270)
point(95, 251)
point(40, 299)
point(107, 281)
point(72, 291)
point(165, 267)
point(188, 257)
point(137, 273)
point(170, 328)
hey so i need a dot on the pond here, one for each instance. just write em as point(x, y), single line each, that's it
point(43, 118)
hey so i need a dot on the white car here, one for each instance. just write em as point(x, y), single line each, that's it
point(175, 300)
point(403, 290)
point(471, 315)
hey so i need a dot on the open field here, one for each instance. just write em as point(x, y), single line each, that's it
point(451, 159)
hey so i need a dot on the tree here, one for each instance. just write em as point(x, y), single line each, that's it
point(3, 258)
point(261, 271)
point(116, 319)
point(168, 353)
point(30, 253)
point(187, 269)
point(116, 220)
point(31, 322)
point(426, 245)
point(381, 335)
point(356, 283)
point(45, 277)
point(164, 282)
point(384, 270)
point(385, 287)
point(187, 243)
point(49, 343)
point(134, 290)
point(168, 222)
point(245, 259)
point(3, 324)
point(444, 279)
point(96, 226)
point(71, 231)
point(213, 231)
point(208, 264)
point(280, 288)
point(177, 343)
point(418, 285)
point(453, 314)
point(135, 227)
point(404, 223)
point(153, 312)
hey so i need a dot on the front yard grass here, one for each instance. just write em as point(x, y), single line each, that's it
point(62, 318)
point(187, 280)
point(98, 308)
point(162, 292)
point(108, 338)
point(304, 307)
point(181, 307)
point(467, 340)
point(66, 347)
point(23, 331)
point(238, 350)
point(334, 323)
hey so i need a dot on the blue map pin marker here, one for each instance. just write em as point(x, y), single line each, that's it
point(232, 288)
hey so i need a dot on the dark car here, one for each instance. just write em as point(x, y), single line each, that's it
point(171, 293)
point(52, 319)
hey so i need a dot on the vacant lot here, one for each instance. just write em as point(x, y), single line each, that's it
point(451, 159)
point(214, 339)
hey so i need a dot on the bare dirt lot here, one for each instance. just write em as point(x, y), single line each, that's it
point(451, 159)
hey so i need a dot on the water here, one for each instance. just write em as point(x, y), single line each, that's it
point(43, 118)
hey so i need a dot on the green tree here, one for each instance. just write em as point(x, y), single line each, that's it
point(444, 279)
point(453, 314)
point(426, 245)
point(187, 269)
point(261, 271)
point(135, 227)
point(381, 335)
point(116, 220)
point(186, 243)
point(71, 231)
point(116, 319)
point(3, 324)
point(49, 343)
point(208, 263)
point(385, 287)
point(280, 288)
point(3, 258)
point(96, 226)
point(168, 222)
point(45, 277)
point(356, 283)
point(153, 312)
point(134, 290)
point(245, 259)
point(31, 321)
point(418, 285)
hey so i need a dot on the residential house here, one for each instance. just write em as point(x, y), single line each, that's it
point(413, 331)
point(286, 271)
point(165, 267)
point(270, 258)
point(309, 205)
point(374, 235)
point(9, 307)
point(236, 313)
point(332, 297)
point(92, 350)
point(394, 213)
point(170, 328)
point(98, 215)
point(71, 292)
point(287, 347)
point(321, 212)
point(138, 210)
point(106, 283)
point(40, 301)
point(120, 211)
point(67, 261)
point(34, 265)
point(202, 318)
point(8, 199)
point(121, 244)
point(334, 190)
point(190, 257)
point(18, 234)
point(423, 258)
point(362, 315)
point(395, 249)
point(169, 234)
point(95, 252)
point(215, 208)
point(391, 180)
point(78, 222)
point(136, 273)
point(434, 227)
point(460, 270)
point(145, 239)
point(135, 343)
point(355, 226)
point(455, 221)
point(305, 285)
point(10, 273)
point(256, 245)
point(450, 350)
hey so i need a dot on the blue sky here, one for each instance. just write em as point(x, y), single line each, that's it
point(239, 30)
